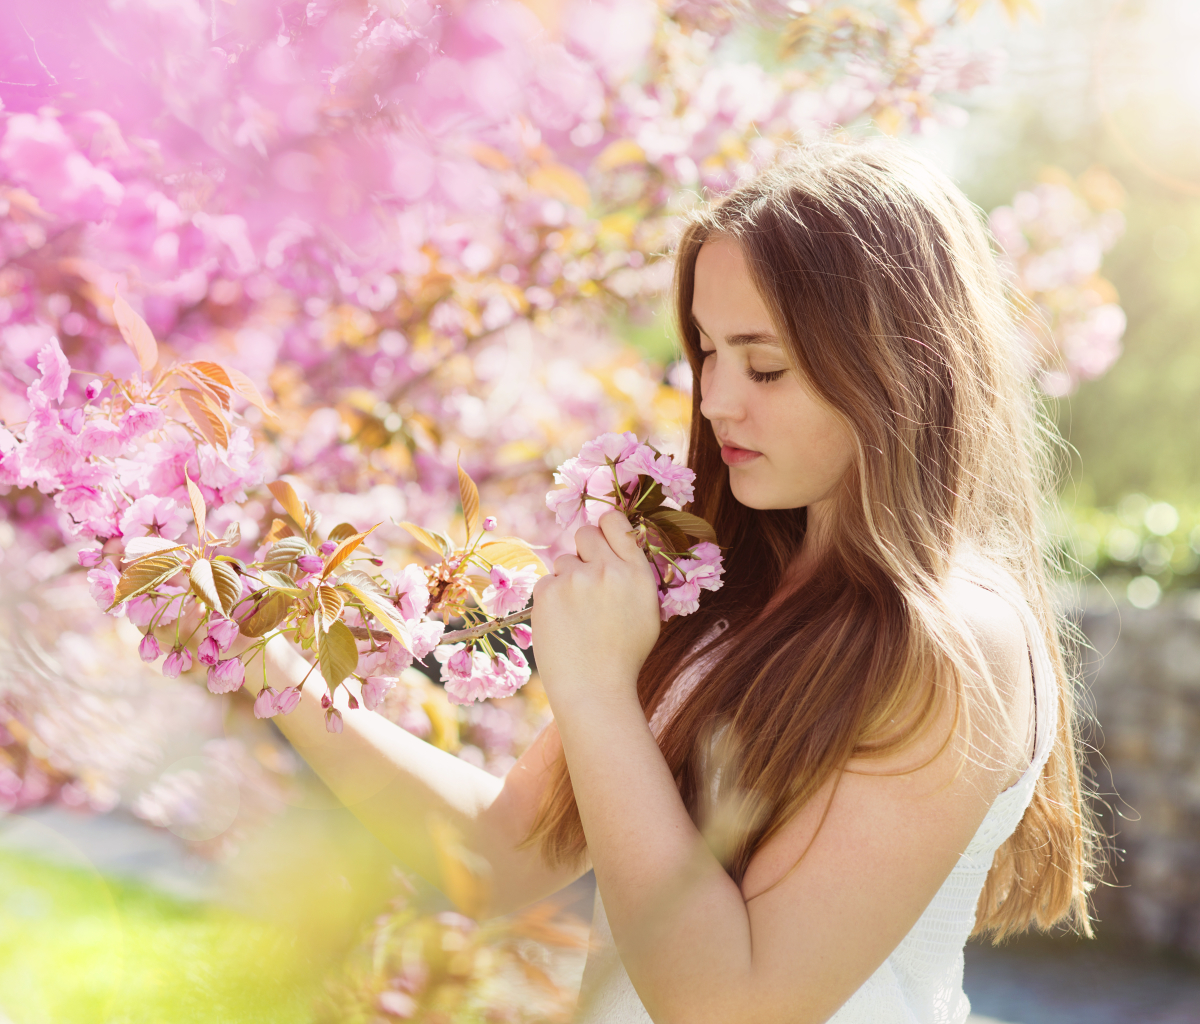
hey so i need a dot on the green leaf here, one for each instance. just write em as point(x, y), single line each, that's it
point(338, 655)
point(144, 575)
point(285, 552)
point(342, 531)
point(379, 606)
point(685, 522)
point(358, 578)
point(268, 614)
point(204, 585)
point(280, 581)
point(228, 584)
point(512, 553)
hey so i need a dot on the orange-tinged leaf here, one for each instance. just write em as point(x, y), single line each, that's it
point(469, 495)
point(206, 415)
point(342, 531)
point(199, 512)
point(213, 371)
point(512, 554)
point(279, 529)
point(345, 549)
point(136, 332)
point(290, 500)
point(423, 536)
point(245, 387)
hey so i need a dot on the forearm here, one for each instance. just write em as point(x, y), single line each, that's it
point(679, 921)
point(395, 783)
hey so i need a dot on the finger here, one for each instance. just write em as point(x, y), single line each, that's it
point(565, 563)
point(591, 543)
point(619, 535)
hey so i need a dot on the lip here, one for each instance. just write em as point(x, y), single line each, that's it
point(731, 455)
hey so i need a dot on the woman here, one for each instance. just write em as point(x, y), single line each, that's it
point(802, 799)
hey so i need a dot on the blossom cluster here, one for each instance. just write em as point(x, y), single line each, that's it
point(1053, 238)
point(618, 472)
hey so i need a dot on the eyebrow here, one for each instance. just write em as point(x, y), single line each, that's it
point(750, 338)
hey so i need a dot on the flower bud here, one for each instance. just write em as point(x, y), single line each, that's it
point(179, 660)
point(353, 703)
point(489, 523)
point(95, 386)
point(90, 557)
point(326, 702)
point(516, 657)
point(224, 631)
point(208, 652)
point(148, 648)
point(333, 720)
point(226, 676)
point(287, 700)
point(373, 689)
point(522, 634)
point(266, 704)
point(329, 547)
point(310, 563)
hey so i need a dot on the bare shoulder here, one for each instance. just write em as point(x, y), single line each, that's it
point(995, 626)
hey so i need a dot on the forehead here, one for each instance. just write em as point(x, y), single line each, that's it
point(724, 297)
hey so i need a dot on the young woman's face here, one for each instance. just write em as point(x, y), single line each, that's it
point(785, 448)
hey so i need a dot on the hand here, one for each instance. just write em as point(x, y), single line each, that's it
point(597, 617)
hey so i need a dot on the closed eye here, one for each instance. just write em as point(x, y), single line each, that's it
point(761, 377)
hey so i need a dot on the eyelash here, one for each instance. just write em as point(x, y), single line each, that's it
point(759, 377)
point(764, 378)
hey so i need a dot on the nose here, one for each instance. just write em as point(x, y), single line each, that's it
point(720, 396)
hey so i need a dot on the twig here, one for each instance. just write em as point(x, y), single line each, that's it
point(466, 635)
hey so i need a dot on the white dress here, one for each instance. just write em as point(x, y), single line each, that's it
point(921, 981)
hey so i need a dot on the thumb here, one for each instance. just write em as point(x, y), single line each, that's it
point(619, 535)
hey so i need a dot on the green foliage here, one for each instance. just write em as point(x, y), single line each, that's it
point(76, 948)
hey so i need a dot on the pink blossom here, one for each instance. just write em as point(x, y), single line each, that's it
point(397, 1004)
point(509, 590)
point(89, 498)
point(226, 676)
point(140, 419)
point(410, 591)
point(676, 480)
point(287, 700)
point(373, 690)
point(89, 557)
point(209, 651)
point(150, 514)
point(179, 660)
point(681, 599)
point(266, 704)
point(148, 648)
point(103, 582)
point(489, 523)
point(606, 448)
point(224, 631)
point(333, 720)
point(522, 634)
point(101, 437)
point(55, 372)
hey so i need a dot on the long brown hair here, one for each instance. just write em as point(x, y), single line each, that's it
point(882, 283)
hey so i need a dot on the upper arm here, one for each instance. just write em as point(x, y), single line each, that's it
point(522, 876)
point(831, 895)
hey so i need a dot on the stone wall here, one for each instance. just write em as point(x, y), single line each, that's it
point(1143, 677)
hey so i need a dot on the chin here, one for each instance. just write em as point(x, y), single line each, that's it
point(760, 498)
